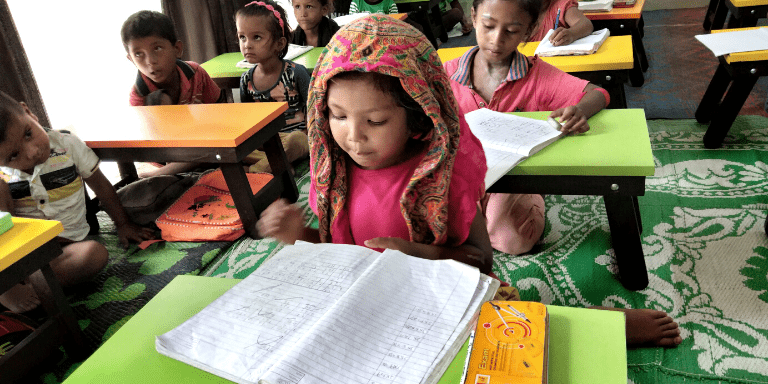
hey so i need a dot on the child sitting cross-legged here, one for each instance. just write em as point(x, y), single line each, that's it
point(495, 75)
point(263, 31)
point(41, 176)
point(151, 44)
point(392, 164)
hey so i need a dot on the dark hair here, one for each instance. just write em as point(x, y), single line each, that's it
point(532, 7)
point(274, 28)
point(148, 23)
point(10, 110)
point(416, 119)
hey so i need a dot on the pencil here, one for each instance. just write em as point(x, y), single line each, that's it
point(557, 19)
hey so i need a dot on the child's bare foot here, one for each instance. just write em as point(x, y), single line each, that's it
point(20, 298)
point(649, 328)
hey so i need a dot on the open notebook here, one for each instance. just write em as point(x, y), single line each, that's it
point(595, 5)
point(508, 139)
point(585, 46)
point(294, 51)
point(333, 313)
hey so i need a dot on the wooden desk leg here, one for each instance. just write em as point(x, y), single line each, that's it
point(714, 93)
point(710, 15)
point(618, 96)
point(55, 303)
point(637, 43)
point(720, 15)
point(278, 161)
point(729, 109)
point(636, 77)
point(242, 196)
point(625, 237)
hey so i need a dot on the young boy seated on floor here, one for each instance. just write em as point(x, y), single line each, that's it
point(41, 176)
point(151, 44)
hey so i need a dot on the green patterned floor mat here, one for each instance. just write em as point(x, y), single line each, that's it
point(131, 278)
point(704, 244)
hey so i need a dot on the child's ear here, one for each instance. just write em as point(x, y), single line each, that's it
point(179, 47)
point(325, 9)
point(282, 43)
point(472, 16)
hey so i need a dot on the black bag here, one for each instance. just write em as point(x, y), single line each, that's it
point(145, 200)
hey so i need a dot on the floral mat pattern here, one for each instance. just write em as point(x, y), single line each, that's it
point(705, 246)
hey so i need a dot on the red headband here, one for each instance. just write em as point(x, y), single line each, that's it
point(271, 8)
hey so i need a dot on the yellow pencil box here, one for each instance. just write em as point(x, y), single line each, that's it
point(510, 344)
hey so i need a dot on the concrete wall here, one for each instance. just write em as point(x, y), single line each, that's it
point(652, 5)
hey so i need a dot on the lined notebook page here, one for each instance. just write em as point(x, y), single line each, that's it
point(508, 139)
point(242, 333)
point(509, 133)
point(485, 290)
point(389, 328)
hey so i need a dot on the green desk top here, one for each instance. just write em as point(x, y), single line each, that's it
point(586, 345)
point(224, 65)
point(617, 144)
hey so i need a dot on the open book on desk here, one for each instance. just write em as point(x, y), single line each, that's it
point(508, 139)
point(587, 45)
point(331, 313)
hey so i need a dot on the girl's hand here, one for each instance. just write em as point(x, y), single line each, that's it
point(398, 244)
point(282, 221)
point(572, 118)
point(131, 232)
point(561, 36)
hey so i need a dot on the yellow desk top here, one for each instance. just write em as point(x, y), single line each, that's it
point(748, 3)
point(614, 54)
point(175, 126)
point(633, 12)
point(743, 56)
point(25, 236)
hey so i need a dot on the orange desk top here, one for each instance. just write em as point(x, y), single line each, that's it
point(176, 126)
point(616, 13)
point(25, 236)
point(743, 56)
point(614, 54)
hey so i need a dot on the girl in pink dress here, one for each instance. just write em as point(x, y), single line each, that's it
point(392, 165)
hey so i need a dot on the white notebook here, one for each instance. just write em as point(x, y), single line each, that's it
point(595, 5)
point(333, 313)
point(724, 43)
point(508, 139)
point(586, 45)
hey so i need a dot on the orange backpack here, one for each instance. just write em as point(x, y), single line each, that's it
point(206, 212)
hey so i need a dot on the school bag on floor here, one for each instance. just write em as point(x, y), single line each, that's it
point(206, 211)
point(13, 329)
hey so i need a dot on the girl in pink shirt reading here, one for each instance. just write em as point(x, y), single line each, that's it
point(392, 165)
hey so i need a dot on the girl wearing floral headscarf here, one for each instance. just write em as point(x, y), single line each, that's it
point(391, 163)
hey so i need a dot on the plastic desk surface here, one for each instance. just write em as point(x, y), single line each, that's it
point(176, 126)
point(634, 12)
point(617, 144)
point(225, 65)
point(577, 353)
point(25, 236)
point(748, 3)
point(743, 56)
point(614, 54)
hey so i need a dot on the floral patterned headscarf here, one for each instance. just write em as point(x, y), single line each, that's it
point(382, 44)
